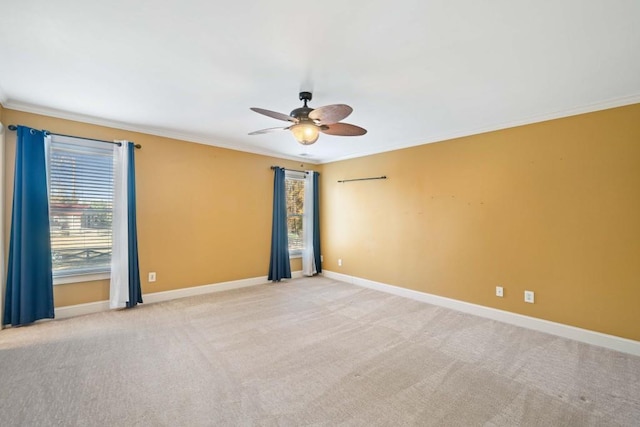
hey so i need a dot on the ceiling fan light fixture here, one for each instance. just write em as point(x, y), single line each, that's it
point(305, 133)
point(309, 122)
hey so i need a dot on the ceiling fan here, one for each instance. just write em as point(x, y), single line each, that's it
point(309, 122)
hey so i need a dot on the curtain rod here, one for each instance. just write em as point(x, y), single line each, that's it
point(291, 170)
point(14, 127)
point(363, 179)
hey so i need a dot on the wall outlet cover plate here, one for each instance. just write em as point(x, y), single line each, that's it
point(529, 297)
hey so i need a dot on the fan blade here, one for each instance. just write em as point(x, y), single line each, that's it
point(343, 129)
point(330, 114)
point(274, 114)
point(261, 131)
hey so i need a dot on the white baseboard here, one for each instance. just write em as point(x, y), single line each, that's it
point(571, 332)
point(95, 307)
point(81, 309)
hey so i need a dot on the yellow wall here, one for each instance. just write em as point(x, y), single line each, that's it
point(204, 213)
point(552, 207)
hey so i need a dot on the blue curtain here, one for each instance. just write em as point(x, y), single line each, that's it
point(135, 292)
point(316, 223)
point(29, 293)
point(279, 266)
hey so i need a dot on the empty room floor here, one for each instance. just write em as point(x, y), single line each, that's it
point(311, 351)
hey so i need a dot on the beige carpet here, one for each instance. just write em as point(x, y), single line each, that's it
point(308, 352)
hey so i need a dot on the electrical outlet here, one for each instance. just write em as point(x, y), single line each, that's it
point(499, 291)
point(152, 276)
point(321, 258)
point(528, 297)
point(339, 262)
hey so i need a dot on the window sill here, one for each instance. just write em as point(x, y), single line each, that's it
point(77, 278)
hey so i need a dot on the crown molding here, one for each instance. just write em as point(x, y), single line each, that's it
point(589, 108)
point(149, 130)
point(200, 139)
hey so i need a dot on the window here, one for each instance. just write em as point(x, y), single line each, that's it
point(294, 185)
point(80, 205)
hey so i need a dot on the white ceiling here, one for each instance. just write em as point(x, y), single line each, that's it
point(414, 71)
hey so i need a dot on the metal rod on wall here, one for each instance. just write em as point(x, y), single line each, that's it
point(363, 179)
point(14, 127)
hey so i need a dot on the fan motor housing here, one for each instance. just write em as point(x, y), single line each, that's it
point(301, 113)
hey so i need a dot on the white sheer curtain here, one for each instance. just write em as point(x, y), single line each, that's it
point(119, 291)
point(308, 258)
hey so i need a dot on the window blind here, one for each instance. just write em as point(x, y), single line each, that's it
point(80, 205)
point(294, 186)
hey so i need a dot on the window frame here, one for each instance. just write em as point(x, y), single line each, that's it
point(297, 176)
point(78, 275)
